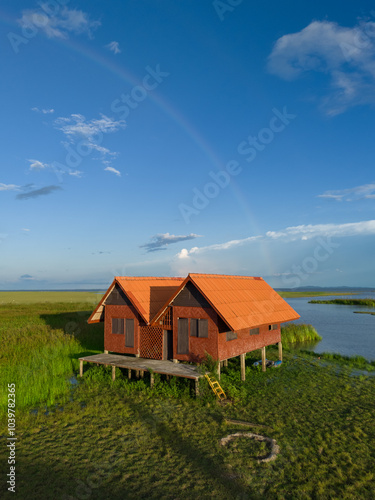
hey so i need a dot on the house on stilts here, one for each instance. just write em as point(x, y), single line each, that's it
point(183, 319)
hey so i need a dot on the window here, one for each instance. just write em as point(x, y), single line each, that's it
point(231, 336)
point(121, 326)
point(273, 327)
point(118, 325)
point(198, 328)
point(254, 331)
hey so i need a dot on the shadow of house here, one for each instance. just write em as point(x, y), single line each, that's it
point(75, 323)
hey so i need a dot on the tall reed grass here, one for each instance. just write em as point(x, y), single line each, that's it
point(36, 355)
point(294, 333)
point(346, 302)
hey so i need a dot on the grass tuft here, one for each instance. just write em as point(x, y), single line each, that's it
point(294, 333)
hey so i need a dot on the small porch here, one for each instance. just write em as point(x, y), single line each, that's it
point(140, 365)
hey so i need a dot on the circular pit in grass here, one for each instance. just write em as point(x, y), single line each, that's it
point(274, 448)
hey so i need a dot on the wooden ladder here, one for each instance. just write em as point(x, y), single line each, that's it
point(215, 386)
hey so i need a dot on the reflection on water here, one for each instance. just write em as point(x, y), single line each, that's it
point(343, 332)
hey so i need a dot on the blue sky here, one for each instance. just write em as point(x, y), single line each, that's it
point(160, 138)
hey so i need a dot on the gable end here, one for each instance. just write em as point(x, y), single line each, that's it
point(190, 297)
point(117, 298)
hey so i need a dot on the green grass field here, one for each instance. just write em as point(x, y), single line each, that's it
point(123, 440)
point(52, 297)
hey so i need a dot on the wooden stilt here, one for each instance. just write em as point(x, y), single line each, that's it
point(280, 351)
point(137, 373)
point(152, 380)
point(142, 373)
point(243, 367)
point(167, 377)
point(263, 359)
point(218, 371)
point(113, 372)
point(129, 373)
point(225, 362)
point(196, 387)
point(80, 367)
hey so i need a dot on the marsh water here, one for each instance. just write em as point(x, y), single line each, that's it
point(343, 331)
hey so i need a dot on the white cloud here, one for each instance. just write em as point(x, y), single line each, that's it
point(76, 126)
point(44, 111)
point(59, 22)
point(306, 232)
point(184, 254)
point(346, 55)
point(90, 134)
point(8, 187)
point(114, 47)
point(26, 230)
point(37, 165)
point(367, 191)
point(293, 233)
point(76, 173)
point(113, 170)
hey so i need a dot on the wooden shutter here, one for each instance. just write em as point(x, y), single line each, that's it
point(183, 336)
point(194, 327)
point(129, 333)
point(118, 325)
point(203, 328)
point(114, 325)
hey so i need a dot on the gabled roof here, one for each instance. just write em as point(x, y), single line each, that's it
point(147, 294)
point(241, 301)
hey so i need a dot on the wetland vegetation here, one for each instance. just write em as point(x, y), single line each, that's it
point(122, 439)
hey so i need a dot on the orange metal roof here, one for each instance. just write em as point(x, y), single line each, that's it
point(243, 301)
point(147, 294)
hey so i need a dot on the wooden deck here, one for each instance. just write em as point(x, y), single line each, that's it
point(142, 365)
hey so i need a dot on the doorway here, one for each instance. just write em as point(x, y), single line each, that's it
point(168, 344)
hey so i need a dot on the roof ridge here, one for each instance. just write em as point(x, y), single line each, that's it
point(225, 276)
point(149, 278)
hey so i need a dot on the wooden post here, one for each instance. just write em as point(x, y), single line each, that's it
point(280, 350)
point(243, 367)
point(225, 362)
point(152, 380)
point(81, 367)
point(218, 371)
point(263, 359)
point(137, 373)
point(129, 373)
point(105, 352)
point(142, 373)
point(167, 377)
point(196, 387)
point(113, 372)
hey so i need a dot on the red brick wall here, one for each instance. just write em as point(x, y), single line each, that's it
point(197, 346)
point(115, 342)
point(246, 342)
